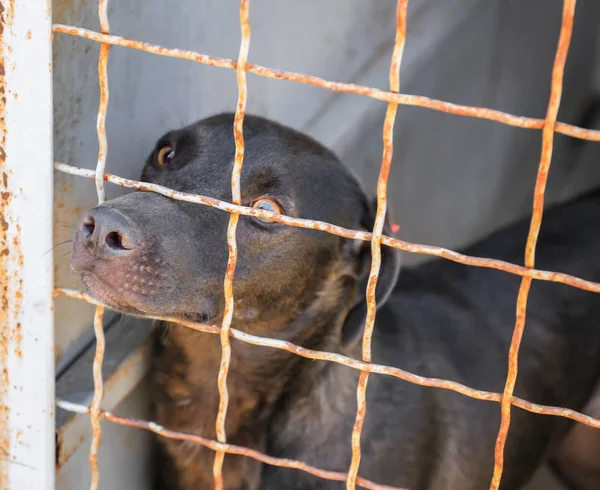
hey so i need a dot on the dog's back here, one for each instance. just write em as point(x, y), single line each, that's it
point(458, 322)
point(455, 322)
point(464, 307)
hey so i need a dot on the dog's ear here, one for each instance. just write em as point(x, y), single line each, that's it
point(388, 274)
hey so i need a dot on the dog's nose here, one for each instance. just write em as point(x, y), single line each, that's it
point(108, 232)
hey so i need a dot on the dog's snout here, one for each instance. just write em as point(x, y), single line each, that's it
point(108, 232)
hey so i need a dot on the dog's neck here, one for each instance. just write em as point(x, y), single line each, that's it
point(189, 362)
point(186, 389)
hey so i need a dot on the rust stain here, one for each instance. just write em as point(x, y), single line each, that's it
point(6, 282)
point(28, 34)
point(18, 340)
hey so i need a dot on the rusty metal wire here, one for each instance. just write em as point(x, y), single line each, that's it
point(98, 394)
point(329, 357)
point(506, 399)
point(236, 198)
point(99, 179)
point(223, 447)
point(102, 109)
point(536, 221)
point(384, 172)
point(518, 270)
point(362, 366)
point(349, 88)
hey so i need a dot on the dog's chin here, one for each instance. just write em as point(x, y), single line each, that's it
point(106, 295)
point(129, 304)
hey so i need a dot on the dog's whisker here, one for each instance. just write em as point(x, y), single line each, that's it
point(122, 323)
point(54, 247)
point(64, 224)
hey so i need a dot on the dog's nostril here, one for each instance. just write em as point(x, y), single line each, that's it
point(89, 225)
point(119, 241)
point(114, 240)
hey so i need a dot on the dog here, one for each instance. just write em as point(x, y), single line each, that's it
point(146, 254)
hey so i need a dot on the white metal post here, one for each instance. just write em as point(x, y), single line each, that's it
point(26, 269)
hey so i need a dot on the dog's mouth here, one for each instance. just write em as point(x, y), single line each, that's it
point(105, 294)
point(130, 304)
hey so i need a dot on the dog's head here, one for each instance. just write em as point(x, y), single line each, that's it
point(144, 253)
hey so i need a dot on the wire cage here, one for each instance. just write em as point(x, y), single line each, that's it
point(393, 97)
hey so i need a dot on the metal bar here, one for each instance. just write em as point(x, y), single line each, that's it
point(236, 198)
point(350, 88)
point(362, 366)
point(98, 395)
point(26, 269)
point(384, 172)
point(515, 269)
point(99, 178)
point(536, 221)
point(103, 105)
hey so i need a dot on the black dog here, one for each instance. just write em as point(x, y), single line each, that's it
point(145, 253)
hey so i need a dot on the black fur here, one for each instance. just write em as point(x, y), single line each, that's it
point(144, 253)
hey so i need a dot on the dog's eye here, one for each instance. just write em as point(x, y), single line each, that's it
point(268, 205)
point(165, 155)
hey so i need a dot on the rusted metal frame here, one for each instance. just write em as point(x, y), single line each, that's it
point(384, 172)
point(223, 447)
point(26, 269)
point(340, 231)
point(536, 221)
point(99, 179)
point(362, 366)
point(390, 97)
point(236, 198)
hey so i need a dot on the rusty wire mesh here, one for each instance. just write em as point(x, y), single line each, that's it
point(99, 315)
point(549, 126)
